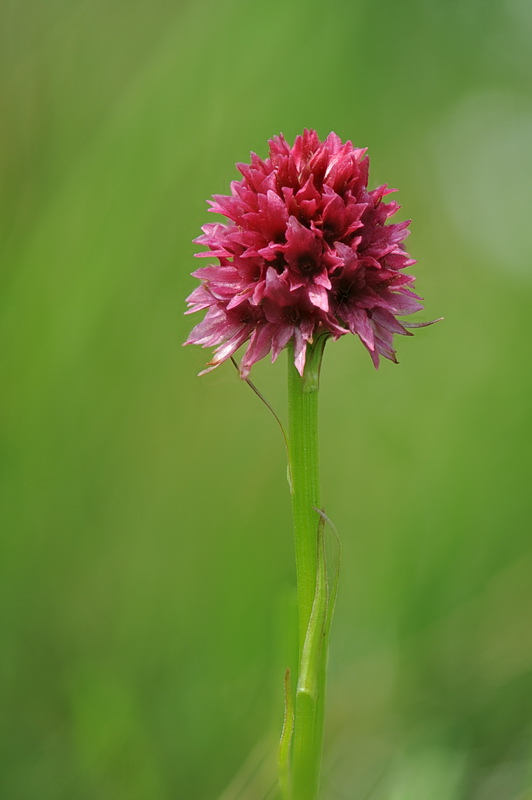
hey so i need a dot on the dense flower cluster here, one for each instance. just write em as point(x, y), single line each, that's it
point(307, 251)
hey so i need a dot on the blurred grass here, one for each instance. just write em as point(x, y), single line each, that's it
point(146, 556)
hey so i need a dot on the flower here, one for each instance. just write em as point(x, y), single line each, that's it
point(307, 251)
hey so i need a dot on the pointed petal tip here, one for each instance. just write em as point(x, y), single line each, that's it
point(209, 368)
point(420, 324)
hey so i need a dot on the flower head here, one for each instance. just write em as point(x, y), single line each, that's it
point(307, 251)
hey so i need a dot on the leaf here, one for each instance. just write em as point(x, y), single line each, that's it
point(286, 738)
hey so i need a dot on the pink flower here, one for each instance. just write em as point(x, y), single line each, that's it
point(307, 251)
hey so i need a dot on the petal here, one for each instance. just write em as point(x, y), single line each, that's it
point(259, 346)
point(318, 296)
point(280, 338)
point(387, 320)
point(300, 351)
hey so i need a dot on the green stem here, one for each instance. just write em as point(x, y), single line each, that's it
point(312, 590)
point(304, 469)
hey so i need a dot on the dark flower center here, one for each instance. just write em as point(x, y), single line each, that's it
point(347, 290)
point(307, 265)
point(278, 263)
point(349, 287)
point(330, 231)
point(294, 315)
point(343, 294)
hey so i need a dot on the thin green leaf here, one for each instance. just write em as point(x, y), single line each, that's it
point(286, 739)
point(333, 589)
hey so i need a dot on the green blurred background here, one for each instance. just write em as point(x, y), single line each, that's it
point(146, 557)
